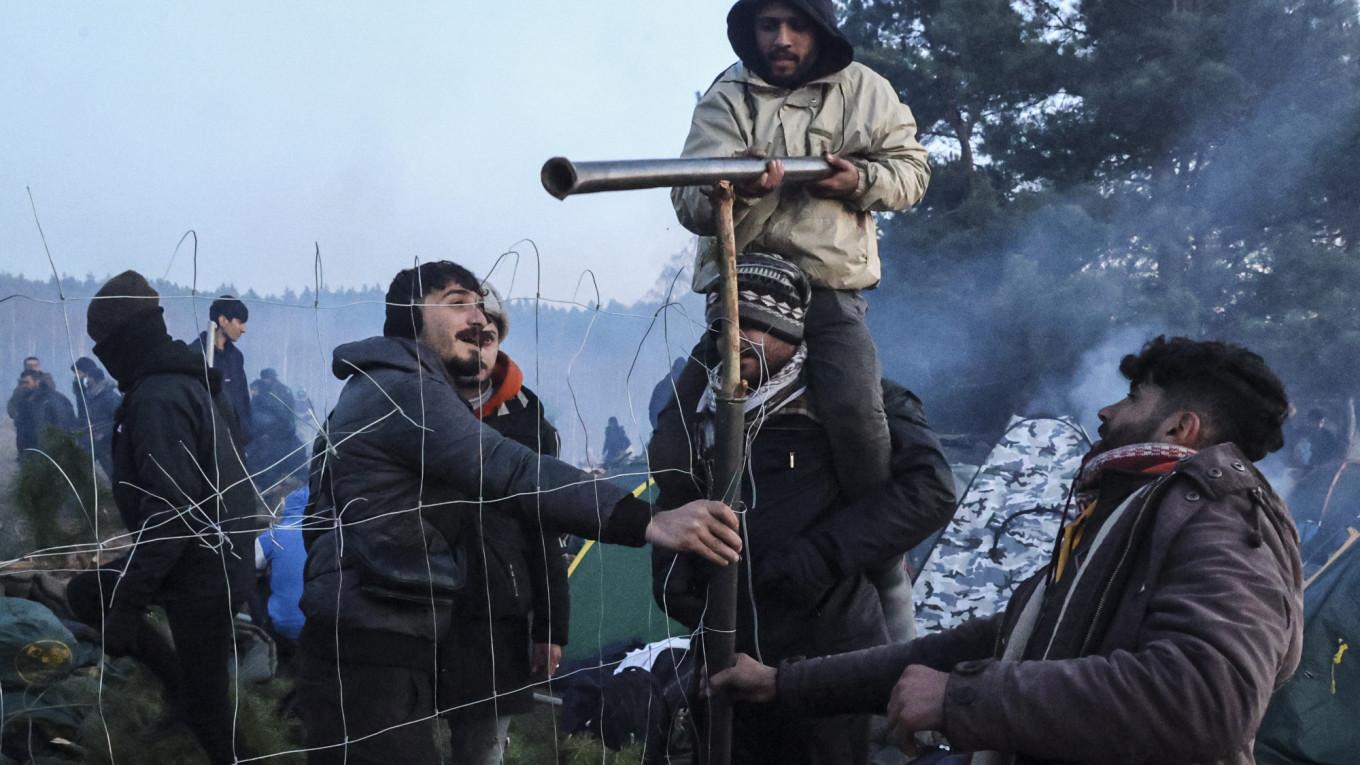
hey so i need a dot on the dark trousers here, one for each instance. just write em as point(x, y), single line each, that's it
point(348, 708)
point(846, 381)
point(195, 670)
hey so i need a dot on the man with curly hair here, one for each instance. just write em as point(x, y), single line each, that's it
point(1170, 611)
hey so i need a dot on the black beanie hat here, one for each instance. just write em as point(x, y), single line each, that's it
point(773, 295)
point(118, 301)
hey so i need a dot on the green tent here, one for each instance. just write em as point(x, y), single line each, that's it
point(611, 592)
point(1312, 719)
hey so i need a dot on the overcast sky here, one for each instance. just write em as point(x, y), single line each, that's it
point(383, 131)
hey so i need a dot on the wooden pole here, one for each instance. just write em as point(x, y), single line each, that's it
point(720, 621)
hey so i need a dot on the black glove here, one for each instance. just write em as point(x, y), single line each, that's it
point(121, 626)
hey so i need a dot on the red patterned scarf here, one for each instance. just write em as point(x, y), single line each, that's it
point(1149, 458)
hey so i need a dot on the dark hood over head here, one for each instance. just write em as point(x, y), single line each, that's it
point(141, 346)
point(834, 51)
point(399, 353)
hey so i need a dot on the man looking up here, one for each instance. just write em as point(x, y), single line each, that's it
point(227, 316)
point(1170, 611)
point(808, 589)
point(405, 469)
point(797, 92)
point(513, 617)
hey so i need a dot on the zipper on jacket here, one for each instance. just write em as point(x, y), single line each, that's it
point(1123, 558)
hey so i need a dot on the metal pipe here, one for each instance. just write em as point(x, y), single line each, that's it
point(562, 177)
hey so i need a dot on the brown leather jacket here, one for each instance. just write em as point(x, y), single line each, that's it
point(1167, 651)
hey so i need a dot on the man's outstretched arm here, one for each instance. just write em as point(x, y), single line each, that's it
point(859, 682)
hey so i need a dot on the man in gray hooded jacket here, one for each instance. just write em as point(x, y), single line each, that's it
point(797, 91)
point(401, 470)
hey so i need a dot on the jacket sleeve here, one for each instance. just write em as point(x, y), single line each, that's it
point(894, 174)
point(479, 462)
point(861, 682)
point(166, 480)
point(678, 580)
point(1214, 638)
point(714, 132)
point(878, 526)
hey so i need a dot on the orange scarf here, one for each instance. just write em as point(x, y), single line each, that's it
point(508, 379)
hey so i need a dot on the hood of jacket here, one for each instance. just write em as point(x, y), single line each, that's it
point(834, 50)
point(377, 353)
point(99, 388)
point(142, 347)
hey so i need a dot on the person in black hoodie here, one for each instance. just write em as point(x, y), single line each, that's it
point(229, 316)
point(183, 494)
point(513, 619)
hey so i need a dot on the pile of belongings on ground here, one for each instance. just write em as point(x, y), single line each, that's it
point(62, 701)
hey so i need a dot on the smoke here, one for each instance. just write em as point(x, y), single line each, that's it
point(1095, 383)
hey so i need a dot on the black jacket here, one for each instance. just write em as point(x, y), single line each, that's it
point(96, 408)
point(406, 465)
point(230, 363)
point(275, 450)
point(808, 550)
point(172, 451)
point(516, 572)
point(36, 410)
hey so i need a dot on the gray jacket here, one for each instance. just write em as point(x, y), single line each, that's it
point(406, 468)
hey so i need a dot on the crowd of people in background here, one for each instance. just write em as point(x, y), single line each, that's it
point(408, 561)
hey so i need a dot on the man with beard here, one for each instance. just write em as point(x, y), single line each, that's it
point(97, 402)
point(807, 590)
point(184, 496)
point(37, 406)
point(512, 620)
point(798, 92)
point(228, 317)
point(405, 468)
point(1170, 611)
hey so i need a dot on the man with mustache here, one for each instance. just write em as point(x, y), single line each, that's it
point(797, 91)
point(403, 468)
point(805, 588)
point(1170, 611)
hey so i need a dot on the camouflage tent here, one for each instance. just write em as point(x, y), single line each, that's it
point(1005, 524)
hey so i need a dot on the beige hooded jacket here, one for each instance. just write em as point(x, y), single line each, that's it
point(854, 112)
